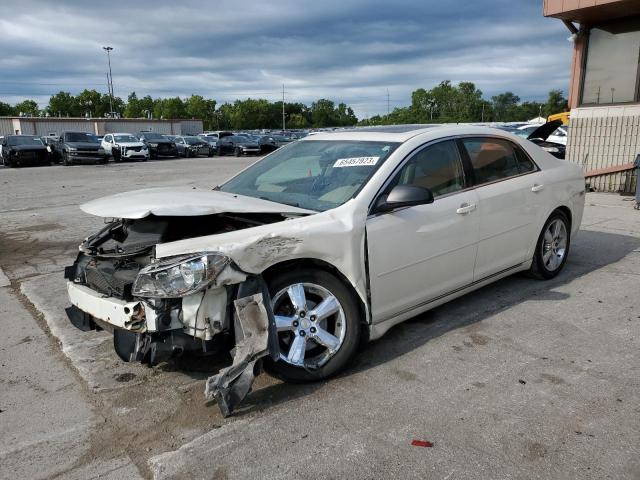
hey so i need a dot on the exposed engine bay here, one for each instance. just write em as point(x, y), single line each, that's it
point(152, 329)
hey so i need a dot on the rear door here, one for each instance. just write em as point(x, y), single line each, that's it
point(508, 184)
point(419, 253)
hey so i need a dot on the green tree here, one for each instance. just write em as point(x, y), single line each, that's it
point(6, 110)
point(63, 104)
point(169, 108)
point(197, 106)
point(505, 106)
point(89, 102)
point(27, 107)
point(556, 103)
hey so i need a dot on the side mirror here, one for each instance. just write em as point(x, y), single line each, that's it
point(404, 196)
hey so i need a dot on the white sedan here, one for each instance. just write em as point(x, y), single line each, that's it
point(323, 243)
point(124, 146)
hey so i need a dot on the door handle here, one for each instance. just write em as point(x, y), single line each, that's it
point(466, 208)
point(537, 187)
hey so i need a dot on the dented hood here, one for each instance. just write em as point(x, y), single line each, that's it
point(181, 202)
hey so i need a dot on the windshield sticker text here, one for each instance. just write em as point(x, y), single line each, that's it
point(355, 162)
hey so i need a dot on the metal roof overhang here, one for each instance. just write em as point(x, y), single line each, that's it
point(590, 12)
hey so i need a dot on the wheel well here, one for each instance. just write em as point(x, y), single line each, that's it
point(274, 270)
point(567, 213)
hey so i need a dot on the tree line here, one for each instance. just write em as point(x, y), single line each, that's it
point(239, 115)
point(445, 103)
point(464, 103)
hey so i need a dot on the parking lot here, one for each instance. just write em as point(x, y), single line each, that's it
point(521, 379)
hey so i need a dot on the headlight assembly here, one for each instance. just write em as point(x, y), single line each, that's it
point(179, 276)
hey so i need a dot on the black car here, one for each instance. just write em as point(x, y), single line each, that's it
point(21, 150)
point(211, 141)
point(540, 135)
point(79, 147)
point(191, 146)
point(158, 144)
point(238, 145)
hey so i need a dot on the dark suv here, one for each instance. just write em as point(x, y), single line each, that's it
point(158, 144)
point(20, 150)
point(79, 147)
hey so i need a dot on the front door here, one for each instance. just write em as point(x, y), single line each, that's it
point(419, 253)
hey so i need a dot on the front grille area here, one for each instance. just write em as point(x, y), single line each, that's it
point(113, 278)
point(134, 149)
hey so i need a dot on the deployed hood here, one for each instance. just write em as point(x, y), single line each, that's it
point(181, 202)
point(544, 131)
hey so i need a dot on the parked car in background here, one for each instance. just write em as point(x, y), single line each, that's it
point(267, 144)
point(158, 145)
point(540, 135)
point(238, 145)
point(190, 146)
point(211, 141)
point(22, 150)
point(327, 242)
point(125, 146)
point(79, 147)
point(559, 135)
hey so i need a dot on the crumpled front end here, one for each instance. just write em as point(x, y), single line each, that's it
point(158, 309)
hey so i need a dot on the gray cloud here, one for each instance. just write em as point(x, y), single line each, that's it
point(349, 50)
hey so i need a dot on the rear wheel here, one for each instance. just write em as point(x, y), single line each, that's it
point(318, 323)
point(552, 247)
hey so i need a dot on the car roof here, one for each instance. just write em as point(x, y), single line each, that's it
point(120, 133)
point(403, 133)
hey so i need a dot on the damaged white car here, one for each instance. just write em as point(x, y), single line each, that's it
point(321, 245)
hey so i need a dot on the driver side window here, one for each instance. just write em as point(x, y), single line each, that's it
point(437, 167)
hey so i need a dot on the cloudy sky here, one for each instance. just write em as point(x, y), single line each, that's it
point(345, 50)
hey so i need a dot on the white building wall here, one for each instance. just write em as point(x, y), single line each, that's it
point(99, 126)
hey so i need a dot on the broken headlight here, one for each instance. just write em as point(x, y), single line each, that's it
point(178, 276)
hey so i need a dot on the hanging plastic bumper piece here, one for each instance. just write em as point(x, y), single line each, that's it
point(256, 337)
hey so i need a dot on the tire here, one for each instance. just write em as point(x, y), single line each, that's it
point(552, 249)
point(237, 152)
point(342, 327)
point(65, 159)
point(219, 151)
point(187, 154)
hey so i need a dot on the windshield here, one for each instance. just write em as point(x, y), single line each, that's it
point(125, 138)
point(24, 140)
point(79, 137)
point(316, 175)
point(192, 140)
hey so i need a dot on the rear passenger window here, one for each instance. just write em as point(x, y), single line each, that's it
point(437, 167)
point(493, 159)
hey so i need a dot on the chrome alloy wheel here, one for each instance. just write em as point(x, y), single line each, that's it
point(554, 245)
point(311, 324)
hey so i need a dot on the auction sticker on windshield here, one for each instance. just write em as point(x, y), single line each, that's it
point(355, 162)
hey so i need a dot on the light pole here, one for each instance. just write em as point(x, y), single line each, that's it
point(110, 79)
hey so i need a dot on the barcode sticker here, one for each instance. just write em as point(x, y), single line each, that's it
point(356, 162)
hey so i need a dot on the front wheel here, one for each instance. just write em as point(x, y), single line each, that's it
point(238, 152)
point(65, 159)
point(552, 247)
point(318, 324)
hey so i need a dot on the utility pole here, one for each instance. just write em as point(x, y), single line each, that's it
point(109, 79)
point(283, 115)
point(388, 106)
